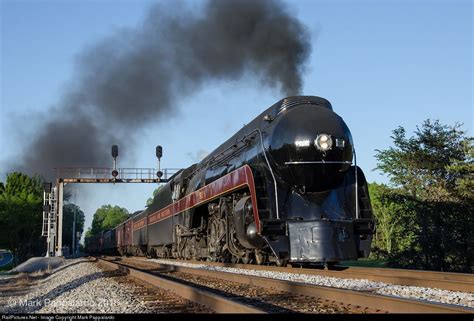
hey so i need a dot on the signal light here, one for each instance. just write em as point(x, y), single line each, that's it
point(159, 174)
point(114, 173)
point(114, 151)
point(159, 151)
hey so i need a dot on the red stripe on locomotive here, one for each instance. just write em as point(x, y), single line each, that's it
point(232, 181)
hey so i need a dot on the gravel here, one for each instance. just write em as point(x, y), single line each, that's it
point(402, 291)
point(79, 286)
point(267, 299)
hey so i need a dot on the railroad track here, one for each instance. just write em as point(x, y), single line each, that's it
point(216, 303)
point(83, 287)
point(348, 301)
point(463, 282)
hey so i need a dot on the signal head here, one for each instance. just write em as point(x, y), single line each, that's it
point(159, 151)
point(114, 151)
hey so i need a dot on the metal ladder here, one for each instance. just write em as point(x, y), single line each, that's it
point(49, 218)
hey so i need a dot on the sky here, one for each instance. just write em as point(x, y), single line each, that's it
point(382, 64)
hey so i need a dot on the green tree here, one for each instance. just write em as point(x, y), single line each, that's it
point(391, 214)
point(87, 237)
point(108, 216)
point(462, 175)
point(105, 217)
point(431, 176)
point(21, 215)
point(68, 217)
point(420, 164)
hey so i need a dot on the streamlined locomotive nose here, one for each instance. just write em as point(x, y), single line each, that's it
point(311, 146)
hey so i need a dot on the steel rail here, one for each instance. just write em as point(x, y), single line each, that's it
point(215, 302)
point(463, 282)
point(371, 301)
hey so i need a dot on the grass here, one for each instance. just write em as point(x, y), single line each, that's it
point(376, 263)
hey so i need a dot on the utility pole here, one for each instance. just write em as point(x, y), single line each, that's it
point(73, 234)
point(73, 244)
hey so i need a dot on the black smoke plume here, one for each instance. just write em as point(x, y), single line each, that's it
point(136, 76)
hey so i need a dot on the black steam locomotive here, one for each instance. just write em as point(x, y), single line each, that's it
point(284, 188)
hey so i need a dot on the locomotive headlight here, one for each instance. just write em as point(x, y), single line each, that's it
point(323, 142)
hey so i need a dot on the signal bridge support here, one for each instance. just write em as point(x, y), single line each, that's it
point(53, 197)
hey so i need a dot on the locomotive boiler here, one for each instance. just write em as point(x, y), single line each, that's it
point(284, 188)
